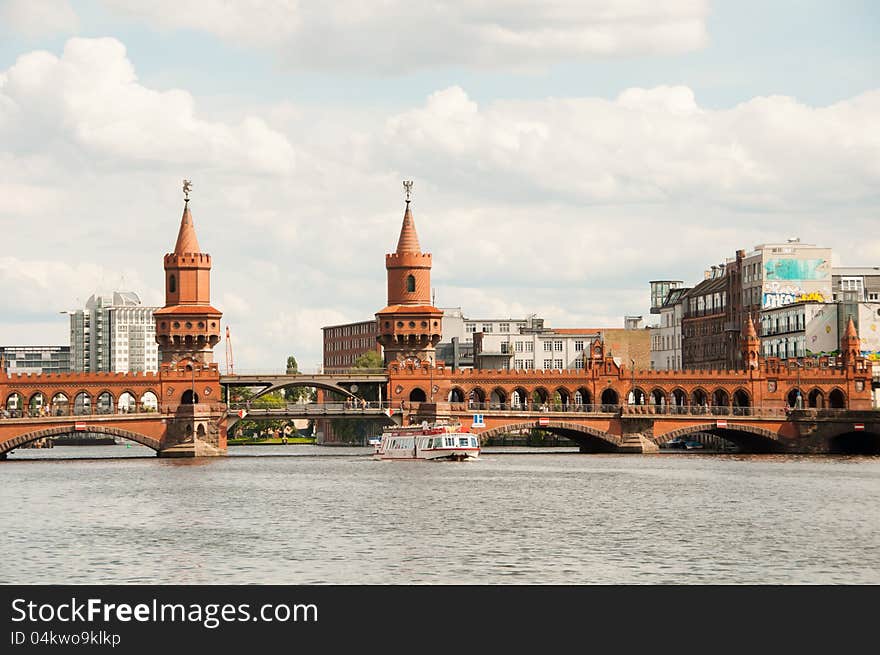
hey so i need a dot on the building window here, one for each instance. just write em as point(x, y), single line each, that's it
point(487, 328)
point(548, 346)
point(578, 346)
point(557, 345)
point(530, 346)
point(578, 363)
point(518, 346)
point(410, 284)
point(528, 364)
point(548, 364)
point(172, 284)
point(470, 327)
point(557, 363)
point(518, 364)
point(504, 327)
point(874, 296)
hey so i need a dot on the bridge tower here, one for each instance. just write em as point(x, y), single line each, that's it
point(751, 345)
point(187, 327)
point(410, 325)
point(850, 346)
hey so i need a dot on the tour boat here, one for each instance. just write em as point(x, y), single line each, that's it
point(430, 442)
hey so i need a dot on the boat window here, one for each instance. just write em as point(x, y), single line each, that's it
point(474, 442)
point(462, 441)
point(450, 441)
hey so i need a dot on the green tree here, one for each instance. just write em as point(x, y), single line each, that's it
point(297, 394)
point(370, 359)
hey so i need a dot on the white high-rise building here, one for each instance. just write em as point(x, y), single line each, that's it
point(114, 333)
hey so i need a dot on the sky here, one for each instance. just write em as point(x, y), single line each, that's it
point(564, 153)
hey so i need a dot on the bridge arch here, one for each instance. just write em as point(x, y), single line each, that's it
point(837, 399)
point(82, 403)
point(855, 443)
point(699, 397)
point(658, 397)
point(418, 395)
point(589, 439)
point(498, 397)
point(105, 402)
point(456, 395)
point(582, 396)
point(16, 442)
point(36, 403)
point(326, 386)
point(562, 397)
point(637, 396)
point(609, 399)
point(679, 397)
point(540, 396)
point(748, 438)
point(519, 398)
point(816, 398)
point(60, 404)
point(476, 395)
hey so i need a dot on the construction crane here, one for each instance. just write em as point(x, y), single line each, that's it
point(230, 362)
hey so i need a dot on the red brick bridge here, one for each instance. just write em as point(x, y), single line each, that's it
point(176, 412)
point(773, 406)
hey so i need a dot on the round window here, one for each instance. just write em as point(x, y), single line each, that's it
point(188, 325)
point(412, 324)
point(399, 323)
point(176, 324)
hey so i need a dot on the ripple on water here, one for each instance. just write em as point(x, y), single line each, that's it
point(559, 518)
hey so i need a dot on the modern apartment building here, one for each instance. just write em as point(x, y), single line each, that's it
point(559, 348)
point(35, 359)
point(114, 332)
point(856, 283)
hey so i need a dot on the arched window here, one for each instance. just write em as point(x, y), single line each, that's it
point(410, 284)
point(172, 284)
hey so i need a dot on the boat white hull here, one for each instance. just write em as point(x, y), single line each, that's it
point(432, 454)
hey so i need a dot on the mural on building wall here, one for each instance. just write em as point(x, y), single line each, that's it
point(821, 332)
point(796, 269)
point(869, 330)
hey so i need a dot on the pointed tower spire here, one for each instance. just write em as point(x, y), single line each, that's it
point(187, 326)
point(751, 345)
point(410, 325)
point(409, 240)
point(186, 236)
point(850, 345)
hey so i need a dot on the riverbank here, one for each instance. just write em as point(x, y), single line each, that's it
point(272, 441)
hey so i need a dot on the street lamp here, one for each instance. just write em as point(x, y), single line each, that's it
point(799, 402)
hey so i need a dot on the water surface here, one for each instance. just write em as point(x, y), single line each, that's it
point(313, 515)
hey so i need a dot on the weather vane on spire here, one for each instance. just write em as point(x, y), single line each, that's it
point(187, 187)
point(407, 184)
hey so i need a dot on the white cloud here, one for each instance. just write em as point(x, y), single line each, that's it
point(648, 145)
point(400, 37)
point(562, 206)
point(38, 18)
point(90, 96)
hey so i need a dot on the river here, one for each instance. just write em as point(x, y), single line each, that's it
point(319, 515)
